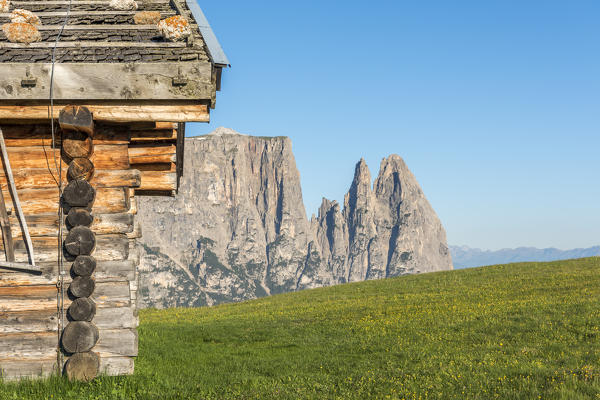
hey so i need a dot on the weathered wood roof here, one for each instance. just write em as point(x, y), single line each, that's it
point(103, 56)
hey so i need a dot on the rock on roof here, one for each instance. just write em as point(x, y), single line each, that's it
point(96, 33)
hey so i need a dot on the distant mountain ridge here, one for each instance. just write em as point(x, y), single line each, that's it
point(467, 257)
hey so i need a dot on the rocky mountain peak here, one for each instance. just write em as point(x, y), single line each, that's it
point(238, 229)
point(222, 131)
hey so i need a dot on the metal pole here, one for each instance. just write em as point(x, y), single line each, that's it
point(15, 196)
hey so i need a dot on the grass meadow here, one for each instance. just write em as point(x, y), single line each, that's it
point(518, 331)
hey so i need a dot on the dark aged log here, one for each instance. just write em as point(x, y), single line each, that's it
point(77, 144)
point(82, 309)
point(84, 266)
point(40, 297)
point(45, 320)
point(79, 337)
point(106, 271)
point(82, 367)
point(163, 135)
point(82, 286)
point(76, 118)
point(80, 168)
point(112, 343)
point(79, 217)
point(80, 241)
point(79, 193)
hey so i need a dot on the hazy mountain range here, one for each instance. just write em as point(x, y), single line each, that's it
point(466, 257)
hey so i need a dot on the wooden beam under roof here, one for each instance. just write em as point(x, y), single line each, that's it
point(113, 113)
point(99, 27)
point(77, 2)
point(88, 13)
point(91, 44)
point(81, 82)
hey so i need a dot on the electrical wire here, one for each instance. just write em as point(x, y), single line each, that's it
point(58, 166)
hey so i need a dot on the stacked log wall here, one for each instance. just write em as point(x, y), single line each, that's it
point(129, 159)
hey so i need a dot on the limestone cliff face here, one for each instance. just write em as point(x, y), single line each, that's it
point(238, 230)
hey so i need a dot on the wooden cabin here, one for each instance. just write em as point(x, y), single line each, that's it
point(82, 137)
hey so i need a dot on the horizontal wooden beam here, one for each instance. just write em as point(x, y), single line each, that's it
point(106, 156)
point(45, 320)
point(15, 369)
point(148, 154)
point(158, 180)
point(106, 271)
point(32, 298)
point(91, 44)
point(153, 135)
point(47, 225)
point(79, 2)
point(45, 201)
point(134, 113)
point(42, 178)
point(87, 13)
point(114, 247)
point(113, 342)
point(80, 82)
point(99, 27)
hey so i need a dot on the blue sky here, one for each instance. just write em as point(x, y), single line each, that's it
point(494, 105)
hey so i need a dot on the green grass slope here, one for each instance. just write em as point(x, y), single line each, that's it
point(520, 331)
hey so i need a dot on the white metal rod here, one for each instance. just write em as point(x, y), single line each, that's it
point(19, 266)
point(15, 196)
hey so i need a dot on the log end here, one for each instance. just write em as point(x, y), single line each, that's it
point(76, 118)
point(82, 367)
point(79, 337)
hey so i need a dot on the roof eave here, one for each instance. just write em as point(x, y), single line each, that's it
point(215, 50)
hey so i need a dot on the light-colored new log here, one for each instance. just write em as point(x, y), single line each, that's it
point(133, 113)
point(104, 157)
point(158, 180)
point(38, 178)
point(29, 135)
point(152, 154)
point(45, 201)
